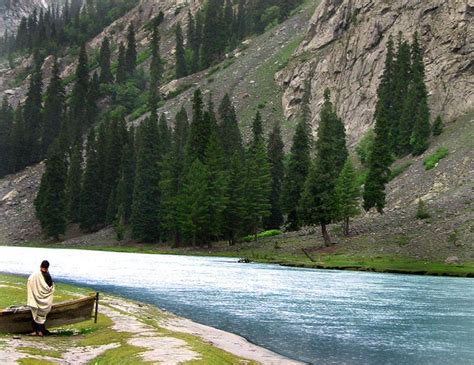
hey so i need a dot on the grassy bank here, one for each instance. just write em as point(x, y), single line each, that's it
point(126, 333)
point(275, 250)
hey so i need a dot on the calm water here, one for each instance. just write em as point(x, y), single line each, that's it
point(317, 316)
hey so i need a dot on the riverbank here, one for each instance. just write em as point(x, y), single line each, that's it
point(126, 332)
point(293, 253)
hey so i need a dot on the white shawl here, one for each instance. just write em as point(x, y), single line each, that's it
point(40, 297)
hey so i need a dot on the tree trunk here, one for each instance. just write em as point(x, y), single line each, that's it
point(324, 231)
point(346, 226)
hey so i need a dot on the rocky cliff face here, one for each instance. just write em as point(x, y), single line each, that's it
point(344, 49)
point(11, 11)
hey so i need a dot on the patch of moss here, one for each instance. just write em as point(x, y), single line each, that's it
point(125, 355)
point(33, 361)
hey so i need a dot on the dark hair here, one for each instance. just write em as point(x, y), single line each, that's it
point(45, 264)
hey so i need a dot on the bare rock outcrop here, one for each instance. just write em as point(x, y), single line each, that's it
point(344, 49)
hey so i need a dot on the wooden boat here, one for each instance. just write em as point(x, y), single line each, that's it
point(19, 319)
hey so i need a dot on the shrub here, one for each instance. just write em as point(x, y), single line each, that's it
point(270, 233)
point(432, 160)
point(438, 126)
point(364, 147)
point(422, 210)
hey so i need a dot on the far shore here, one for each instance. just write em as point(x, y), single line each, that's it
point(326, 258)
point(127, 330)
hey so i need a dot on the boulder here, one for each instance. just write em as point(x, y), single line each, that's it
point(452, 260)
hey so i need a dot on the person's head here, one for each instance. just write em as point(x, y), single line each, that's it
point(44, 266)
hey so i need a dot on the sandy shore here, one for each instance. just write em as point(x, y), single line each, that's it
point(159, 336)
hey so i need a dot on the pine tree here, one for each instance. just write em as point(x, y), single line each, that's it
point(156, 73)
point(18, 146)
point(229, 131)
point(74, 185)
point(196, 43)
point(181, 70)
point(104, 62)
point(126, 182)
point(438, 126)
point(165, 136)
point(53, 112)
point(241, 20)
point(91, 193)
point(121, 73)
point(131, 53)
point(91, 108)
point(193, 207)
point(379, 167)
point(318, 201)
point(172, 178)
point(32, 117)
point(380, 157)
point(257, 180)
point(298, 167)
point(50, 202)
point(78, 98)
point(235, 212)
point(400, 131)
point(145, 220)
point(217, 187)
point(6, 125)
point(276, 154)
point(347, 195)
point(200, 130)
point(213, 39)
point(419, 140)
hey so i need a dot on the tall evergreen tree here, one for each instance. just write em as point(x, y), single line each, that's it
point(257, 180)
point(419, 140)
point(229, 131)
point(78, 99)
point(276, 154)
point(126, 182)
point(156, 72)
point(91, 193)
point(50, 202)
point(145, 218)
point(197, 42)
point(194, 202)
point(164, 136)
point(200, 130)
point(74, 185)
point(32, 117)
point(181, 68)
point(347, 195)
point(121, 73)
point(18, 146)
point(104, 62)
point(298, 167)
point(92, 109)
point(53, 112)
point(6, 125)
point(217, 187)
point(172, 178)
point(131, 53)
point(318, 201)
point(213, 40)
point(399, 132)
point(380, 157)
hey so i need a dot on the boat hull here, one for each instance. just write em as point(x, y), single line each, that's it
point(19, 320)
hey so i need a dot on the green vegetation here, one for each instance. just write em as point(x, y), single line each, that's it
point(264, 234)
point(422, 210)
point(432, 160)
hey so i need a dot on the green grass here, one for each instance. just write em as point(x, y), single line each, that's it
point(432, 160)
point(40, 352)
point(270, 233)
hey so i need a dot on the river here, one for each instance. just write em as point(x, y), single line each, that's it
point(316, 316)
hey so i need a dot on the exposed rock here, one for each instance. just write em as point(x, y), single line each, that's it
point(345, 50)
point(10, 196)
point(452, 260)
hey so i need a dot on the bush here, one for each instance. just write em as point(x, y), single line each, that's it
point(438, 126)
point(431, 161)
point(270, 233)
point(364, 147)
point(422, 211)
